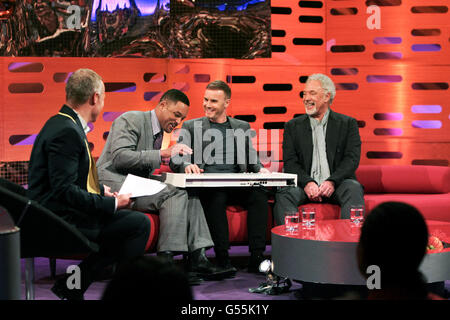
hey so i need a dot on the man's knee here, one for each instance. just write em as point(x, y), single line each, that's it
point(139, 221)
point(352, 186)
point(288, 196)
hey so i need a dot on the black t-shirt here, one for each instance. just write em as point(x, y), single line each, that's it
point(222, 149)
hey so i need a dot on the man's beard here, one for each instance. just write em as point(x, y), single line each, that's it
point(311, 112)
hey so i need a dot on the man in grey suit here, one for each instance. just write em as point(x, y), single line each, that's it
point(134, 146)
point(222, 144)
point(323, 148)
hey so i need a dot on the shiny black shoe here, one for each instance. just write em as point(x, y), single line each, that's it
point(199, 263)
point(194, 279)
point(254, 262)
point(227, 268)
point(61, 291)
point(106, 273)
point(166, 256)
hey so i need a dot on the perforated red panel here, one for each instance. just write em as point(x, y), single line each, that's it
point(394, 80)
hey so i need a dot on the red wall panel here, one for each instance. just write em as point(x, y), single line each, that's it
point(396, 86)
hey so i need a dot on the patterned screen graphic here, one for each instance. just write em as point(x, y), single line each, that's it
point(136, 28)
point(390, 61)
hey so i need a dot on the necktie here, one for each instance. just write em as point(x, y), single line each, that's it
point(93, 185)
point(158, 140)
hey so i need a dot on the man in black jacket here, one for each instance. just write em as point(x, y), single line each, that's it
point(323, 148)
point(63, 178)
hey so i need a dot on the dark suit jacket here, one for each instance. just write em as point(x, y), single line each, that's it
point(192, 134)
point(59, 167)
point(343, 145)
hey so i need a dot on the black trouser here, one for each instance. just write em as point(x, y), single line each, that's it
point(348, 193)
point(121, 237)
point(253, 199)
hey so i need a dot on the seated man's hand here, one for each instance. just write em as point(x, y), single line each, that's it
point(264, 170)
point(193, 168)
point(123, 201)
point(326, 189)
point(175, 150)
point(312, 192)
point(108, 193)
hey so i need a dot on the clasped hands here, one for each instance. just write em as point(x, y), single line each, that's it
point(315, 192)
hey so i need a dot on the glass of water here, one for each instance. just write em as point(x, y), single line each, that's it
point(291, 221)
point(357, 214)
point(308, 217)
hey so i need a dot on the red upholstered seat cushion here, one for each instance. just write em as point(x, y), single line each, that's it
point(404, 179)
point(237, 224)
point(432, 206)
point(154, 231)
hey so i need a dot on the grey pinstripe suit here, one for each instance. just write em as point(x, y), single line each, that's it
point(129, 149)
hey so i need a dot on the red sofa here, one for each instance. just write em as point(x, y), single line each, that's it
point(237, 226)
point(425, 187)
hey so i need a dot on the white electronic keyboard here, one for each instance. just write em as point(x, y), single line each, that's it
point(185, 180)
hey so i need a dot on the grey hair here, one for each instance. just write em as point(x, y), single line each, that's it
point(82, 84)
point(326, 83)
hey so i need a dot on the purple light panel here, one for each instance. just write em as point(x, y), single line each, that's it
point(344, 71)
point(387, 40)
point(429, 86)
point(146, 7)
point(152, 95)
point(17, 65)
point(430, 162)
point(111, 116)
point(127, 89)
point(384, 155)
point(25, 67)
point(383, 78)
point(426, 47)
point(61, 76)
point(388, 132)
point(427, 124)
point(202, 77)
point(387, 55)
point(154, 77)
point(388, 116)
point(22, 140)
point(19, 88)
point(347, 86)
point(426, 108)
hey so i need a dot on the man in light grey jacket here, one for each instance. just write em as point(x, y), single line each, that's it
point(134, 146)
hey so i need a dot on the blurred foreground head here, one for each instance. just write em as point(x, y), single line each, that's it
point(148, 279)
point(394, 237)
